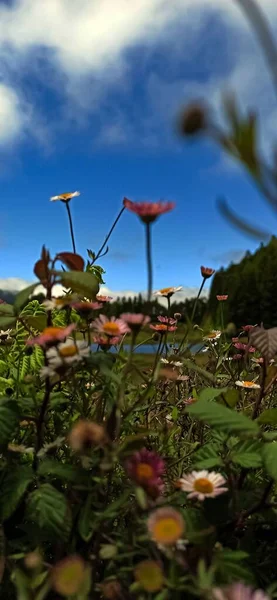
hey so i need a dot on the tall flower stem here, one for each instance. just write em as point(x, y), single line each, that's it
point(197, 298)
point(149, 261)
point(222, 321)
point(71, 226)
point(109, 234)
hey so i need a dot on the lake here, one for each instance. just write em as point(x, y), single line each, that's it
point(147, 348)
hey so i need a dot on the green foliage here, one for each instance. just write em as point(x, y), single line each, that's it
point(222, 418)
point(9, 417)
point(13, 488)
point(48, 507)
point(80, 282)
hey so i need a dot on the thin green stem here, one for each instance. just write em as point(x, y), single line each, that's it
point(71, 226)
point(149, 261)
point(109, 234)
point(193, 312)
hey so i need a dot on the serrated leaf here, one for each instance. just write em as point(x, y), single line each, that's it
point(80, 282)
point(207, 457)
point(268, 417)
point(265, 340)
point(247, 454)
point(270, 459)
point(23, 296)
point(211, 393)
point(48, 507)
point(13, 488)
point(9, 417)
point(223, 418)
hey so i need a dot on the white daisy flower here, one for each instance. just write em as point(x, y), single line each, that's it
point(5, 335)
point(248, 385)
point(202, 484)
point(63, 356)
point(176, 363)
point(212, 336)
point(168, 292)
point(57, 303)
point(64, 197)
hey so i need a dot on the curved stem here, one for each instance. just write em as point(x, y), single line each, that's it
point(149, 261)
point(71, 226)
point(109, 234)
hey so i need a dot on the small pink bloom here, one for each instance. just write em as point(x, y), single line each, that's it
point(106, 341)
point(146, 469)
point(244, 347)
point(238, 591)
point(52, 335)
point(148, 211)
point(110, 326)
point(100, 298)
point(235, 340)
point(168, 320)
point(85, 307)
point(135, 321)
point(206, 272)
point(222, 298)
point(248, 327)
point(162, 328)
point(237, 357)
point(190, 400)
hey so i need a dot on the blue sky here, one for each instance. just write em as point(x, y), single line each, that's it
point(96, 111)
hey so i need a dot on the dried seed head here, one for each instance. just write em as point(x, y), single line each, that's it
point(192, 119)
point(86, 434)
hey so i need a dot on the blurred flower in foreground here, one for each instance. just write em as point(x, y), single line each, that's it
point(68, 575)
point(146, 468)
point(63, 356)
point(167, 320)
point(110, 326)
point(222, 298)
point(168, 291)
point(248, 385)
point(58, 303)
point(149, 575)
point(86, 434)
point(238, 591)
point(202, 484)
point(148, 211)
point(206, 272)
point(106, 342)
point(51, 336)
point(101, 298)
point(135, 321)
point(248, 327)
point(166, 526)
point(5, 335)
point(66, 197)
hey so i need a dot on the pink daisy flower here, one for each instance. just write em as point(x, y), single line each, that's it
point(167, 320)
point(222, 297)
point(238, 591)
point(162, 328)
point(244, 347)
point(146, 469)
point(202, 484)
point(237, 357)
point(248, 327)
point(135, 321)
point(101, 298)
point(51, 336)
point(106, 342)
point(148, 211)
point(110, 326)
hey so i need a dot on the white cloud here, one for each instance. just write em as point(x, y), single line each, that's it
point(81, 50)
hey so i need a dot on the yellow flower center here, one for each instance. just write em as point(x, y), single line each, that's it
point(248, 383)
point(111, 328)
point(52, 331)
point(203, 485)
point(167, 530)
point(145, 471)
point(211, 336)
point(168, 290)
point(68, 351)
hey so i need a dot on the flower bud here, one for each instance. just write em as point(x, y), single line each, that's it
point(192, 119)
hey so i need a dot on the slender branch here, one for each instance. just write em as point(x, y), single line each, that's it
point(262, 392)
point(149, 261)
point(197, 298)
point(71, 226)
point(109, 234)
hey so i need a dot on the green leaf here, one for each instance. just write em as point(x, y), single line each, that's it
point(231, 396)
point(223, 418)
point(23, 296)
point(13, 489)
point(80, 282)
point(247, 454)
point(6, 322)
point(270, 459)
point(49, 509)
point(85, 527)
point(268, 417)
point(207, 457)
point(54, 469)
point(197, 527)
point(38, 322)
point(6, 309)
point(211, 393)
point(9, 417)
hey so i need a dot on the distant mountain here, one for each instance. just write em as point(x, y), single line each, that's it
point(7, 296)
